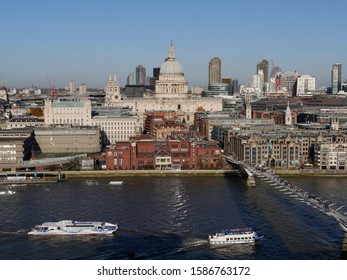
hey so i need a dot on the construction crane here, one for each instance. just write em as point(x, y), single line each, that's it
point(52, 87)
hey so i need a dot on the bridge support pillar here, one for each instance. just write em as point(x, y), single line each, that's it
point(250, 181)
point(344, 243)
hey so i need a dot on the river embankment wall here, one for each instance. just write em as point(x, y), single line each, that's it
point(146, 173)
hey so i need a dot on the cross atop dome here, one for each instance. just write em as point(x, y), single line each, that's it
point(171, 52)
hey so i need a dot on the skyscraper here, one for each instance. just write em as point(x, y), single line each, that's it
point(305, 84)
point(73, 86)
point(264, 65)
point(140, 75)
point(82, 89)
point(156, 72)
point(131, 79)
point(336, 80)
point(215, 71)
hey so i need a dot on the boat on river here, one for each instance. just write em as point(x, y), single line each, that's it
point(235, 236)
point(116, 183)
point(69, 227)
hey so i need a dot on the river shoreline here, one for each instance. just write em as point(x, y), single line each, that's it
point(185, 173)
point(146, 173)
point(66, 175)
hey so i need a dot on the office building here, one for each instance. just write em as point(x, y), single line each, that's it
point(73, 86)
point(156, 72)
point(116, 125)
point(15, 146)
point(287, 80)
point(131, 79)
point(305, 85)
point(336, 78)
point(264, 66)
point(70, 111)
point(82, 89)
point(331, 156)
point(66, 140)
point(140, 75)
point(215, 71)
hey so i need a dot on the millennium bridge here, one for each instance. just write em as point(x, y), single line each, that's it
point(318, 203)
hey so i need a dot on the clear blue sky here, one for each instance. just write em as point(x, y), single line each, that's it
point(86, 40)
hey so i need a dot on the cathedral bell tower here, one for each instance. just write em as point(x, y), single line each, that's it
point(112, 91)
point(3, 92)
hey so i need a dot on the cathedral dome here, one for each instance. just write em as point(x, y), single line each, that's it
point(171, 82)
point(171, 67)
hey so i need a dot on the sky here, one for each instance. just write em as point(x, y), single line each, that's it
point(87, 40)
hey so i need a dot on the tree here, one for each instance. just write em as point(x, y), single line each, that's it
point(36, 112)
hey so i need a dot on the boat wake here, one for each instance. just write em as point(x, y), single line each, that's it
point(18, 232)
point(194, 242)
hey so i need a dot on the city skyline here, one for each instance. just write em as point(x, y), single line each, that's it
point(88, 40)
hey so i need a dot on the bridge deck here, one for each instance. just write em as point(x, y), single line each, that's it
point(311, 200)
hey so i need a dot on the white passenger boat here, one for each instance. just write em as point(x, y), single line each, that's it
point(69, 227)
point(235, 236)
point(116, 183)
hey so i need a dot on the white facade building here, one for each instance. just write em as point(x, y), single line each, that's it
point(331, 156)
point(73, 111)
point(118, 127)
point(78, 112)
point(305, 85)
point(258, 81)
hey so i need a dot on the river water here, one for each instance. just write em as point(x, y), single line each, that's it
point(171, 217)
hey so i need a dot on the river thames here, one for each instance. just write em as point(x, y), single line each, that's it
point(169, 218)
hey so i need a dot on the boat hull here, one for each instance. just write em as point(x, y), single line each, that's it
point(68, 227)
point(63, 232)
point(116, 183)
point(235, 236)
point(235, 242)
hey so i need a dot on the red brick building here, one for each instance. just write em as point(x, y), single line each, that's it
point(167, 128)
point(159, 154)
point(153, 117)
point(278, 116)
point(207, 155)
point(144, 154)
point(181, 153)
point(119, 156)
